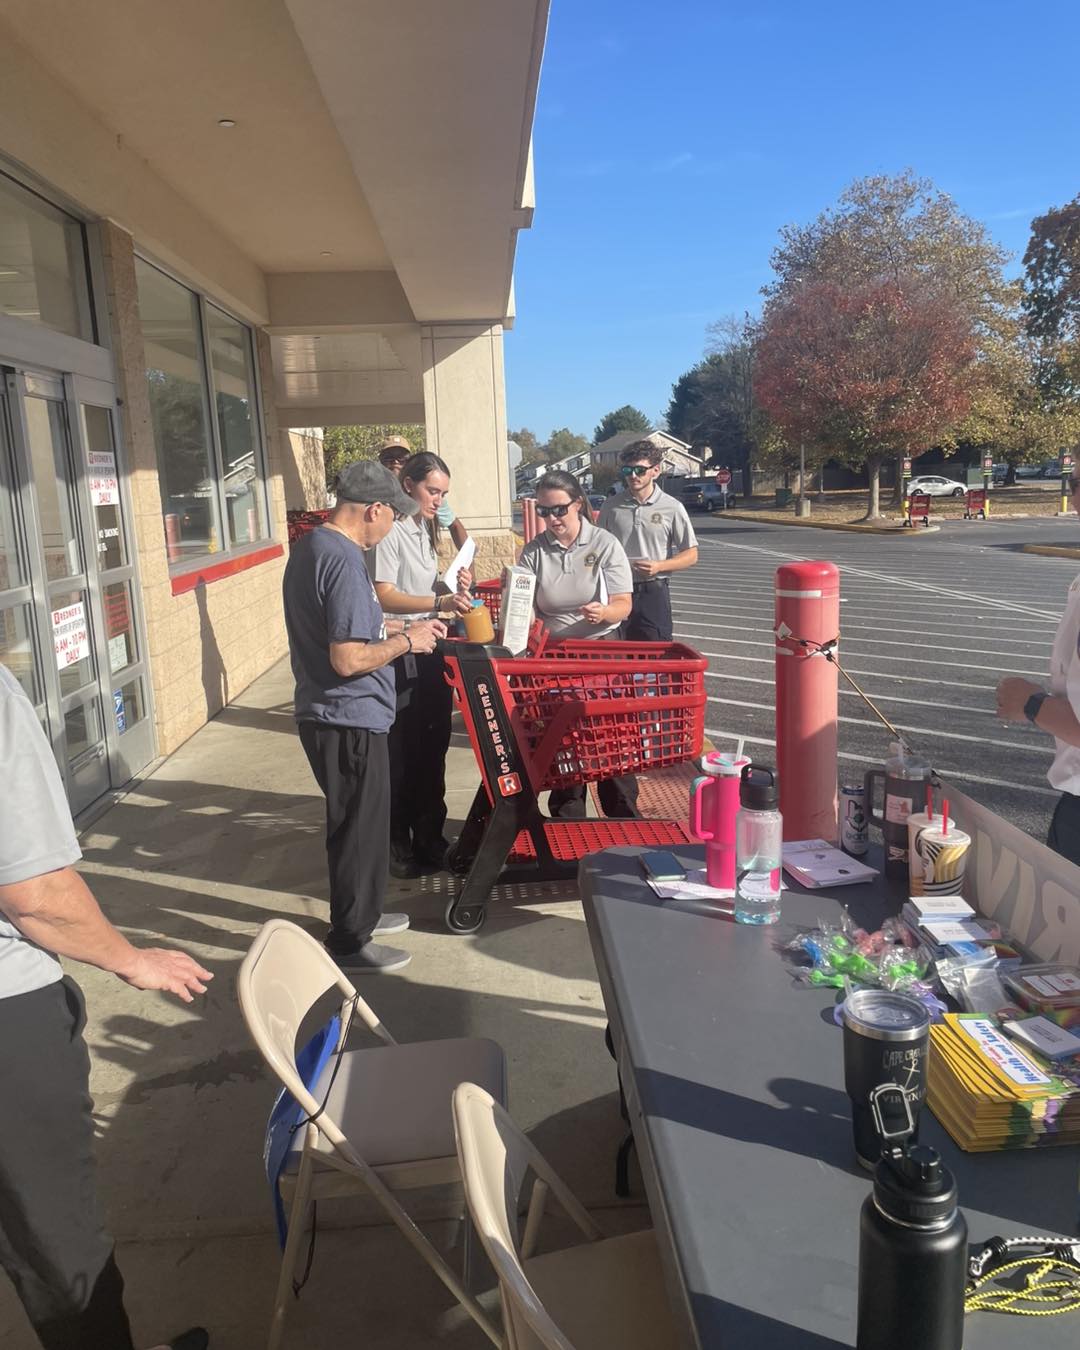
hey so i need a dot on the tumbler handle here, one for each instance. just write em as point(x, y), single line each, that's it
point(698, 790)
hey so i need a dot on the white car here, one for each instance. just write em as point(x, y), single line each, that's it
point(935, 486)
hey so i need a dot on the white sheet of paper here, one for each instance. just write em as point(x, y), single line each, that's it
point(602, 591)
point(462, 562)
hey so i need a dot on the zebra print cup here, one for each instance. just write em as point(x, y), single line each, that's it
point(936, 859)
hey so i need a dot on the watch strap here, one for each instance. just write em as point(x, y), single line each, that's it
point(1034, 703)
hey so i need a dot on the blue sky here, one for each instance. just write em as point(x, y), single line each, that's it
point(673, 141)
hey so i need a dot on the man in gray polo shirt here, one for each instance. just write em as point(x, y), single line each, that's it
point(656, 533)
point(53, 1243)
point(344, 703)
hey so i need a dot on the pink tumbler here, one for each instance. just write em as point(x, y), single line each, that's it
point(714, 804)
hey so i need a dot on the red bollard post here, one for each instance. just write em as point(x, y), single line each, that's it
point(528, 518)
point(807, 608)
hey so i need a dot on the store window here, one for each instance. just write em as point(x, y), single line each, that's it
point(201, 380)
point(43, 277)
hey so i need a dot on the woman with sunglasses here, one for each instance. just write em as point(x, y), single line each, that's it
point(584, 589)
point(405, 570)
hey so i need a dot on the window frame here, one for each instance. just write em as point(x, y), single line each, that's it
point(229, 550)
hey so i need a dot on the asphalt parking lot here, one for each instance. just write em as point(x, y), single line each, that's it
point(928, 628)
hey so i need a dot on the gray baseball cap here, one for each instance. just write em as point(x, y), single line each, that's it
point(367, 480)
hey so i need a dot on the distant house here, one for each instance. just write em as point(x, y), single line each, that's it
point(679, 460)
point(578, 465)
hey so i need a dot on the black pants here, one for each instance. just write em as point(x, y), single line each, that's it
point(53, 1242)
point(419, 740)
point(1064, 834)
point(650, 617)
point(351, 765)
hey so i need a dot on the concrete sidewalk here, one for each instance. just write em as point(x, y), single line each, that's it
point(226, 834)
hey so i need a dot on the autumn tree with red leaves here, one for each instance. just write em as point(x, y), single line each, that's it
point(867, 370)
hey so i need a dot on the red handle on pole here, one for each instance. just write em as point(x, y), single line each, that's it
point(807, 608)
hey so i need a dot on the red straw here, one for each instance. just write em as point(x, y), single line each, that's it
point(929, 802)
point(945, 816)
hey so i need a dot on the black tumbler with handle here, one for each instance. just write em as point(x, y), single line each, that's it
point(886, 1038)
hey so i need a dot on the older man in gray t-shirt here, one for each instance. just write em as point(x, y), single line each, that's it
point(53, 1242)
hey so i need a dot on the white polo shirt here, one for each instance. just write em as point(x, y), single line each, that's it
point(406, 559)
point(569, 578)
point(657, 528)
point(36, 833)
point(1065, 683)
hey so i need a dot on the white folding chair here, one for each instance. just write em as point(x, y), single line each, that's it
point(603, 1293)
point(377, 1120)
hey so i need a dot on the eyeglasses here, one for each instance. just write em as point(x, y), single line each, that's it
point(635, 470)
point(557, 511)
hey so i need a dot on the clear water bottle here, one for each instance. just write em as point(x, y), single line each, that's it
point(758, 834)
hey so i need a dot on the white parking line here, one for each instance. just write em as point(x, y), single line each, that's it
point(909, 660)
point(766, 624)
point(900, 726)
point(985, 711)
point(881, 674)
point(846, 568)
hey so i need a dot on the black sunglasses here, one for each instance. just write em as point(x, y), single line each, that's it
point(557, 511)
point(635, 470)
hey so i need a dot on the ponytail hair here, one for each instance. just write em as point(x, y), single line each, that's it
point(416, 468)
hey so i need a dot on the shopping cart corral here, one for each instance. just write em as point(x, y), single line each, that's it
point(568, 714)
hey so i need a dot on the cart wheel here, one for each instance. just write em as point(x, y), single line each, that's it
point(466, 918)
point(458, 861)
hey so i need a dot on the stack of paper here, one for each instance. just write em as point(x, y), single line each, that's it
point(990, 1094)
point(814, 863)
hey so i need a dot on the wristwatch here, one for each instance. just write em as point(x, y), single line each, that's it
point(1034, 703)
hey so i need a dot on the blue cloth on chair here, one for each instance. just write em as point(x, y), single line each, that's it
point(287, 1113)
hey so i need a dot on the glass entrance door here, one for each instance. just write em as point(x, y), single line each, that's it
point(69, 625)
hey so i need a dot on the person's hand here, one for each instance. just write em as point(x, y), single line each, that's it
point(425, 634)
point(1012, 693)
point(172, 971)
point(454, 604)
point(394, 627)
point(646, 567)
point(594, 612)
point(464, 581)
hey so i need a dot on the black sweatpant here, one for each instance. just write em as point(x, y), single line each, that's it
point(53, 1242)
point(419, 740)
point(650, 617)
point(1064, 834)
point(351, 765)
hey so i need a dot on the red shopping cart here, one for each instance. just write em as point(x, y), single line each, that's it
point(299, 523)
point(572, 713)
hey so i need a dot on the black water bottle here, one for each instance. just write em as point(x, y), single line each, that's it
point(912, 1249)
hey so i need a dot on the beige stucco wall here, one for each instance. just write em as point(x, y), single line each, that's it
point(303, 468)
point(207, 645)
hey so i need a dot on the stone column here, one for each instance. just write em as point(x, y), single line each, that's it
point(465, 408)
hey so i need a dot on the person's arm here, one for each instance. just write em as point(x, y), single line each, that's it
point(458, 533)
point(617, 609)
point(654, 567)
point(57, 910)
point(394, 601)
point(1056, 716)
point(357, 657)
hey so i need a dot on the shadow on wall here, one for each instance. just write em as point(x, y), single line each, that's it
point(303, 470)
point(215, 681)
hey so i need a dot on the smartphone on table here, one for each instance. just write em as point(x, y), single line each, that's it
point(660, 865)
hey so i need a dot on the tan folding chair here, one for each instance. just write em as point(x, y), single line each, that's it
point(604, 1293)
point(378, 1119)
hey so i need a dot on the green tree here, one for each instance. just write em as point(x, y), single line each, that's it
point(565, 442)
point(712, 404)
point(531, 449)
point(1052, 308)
point(343, 445)
point(626, 418)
